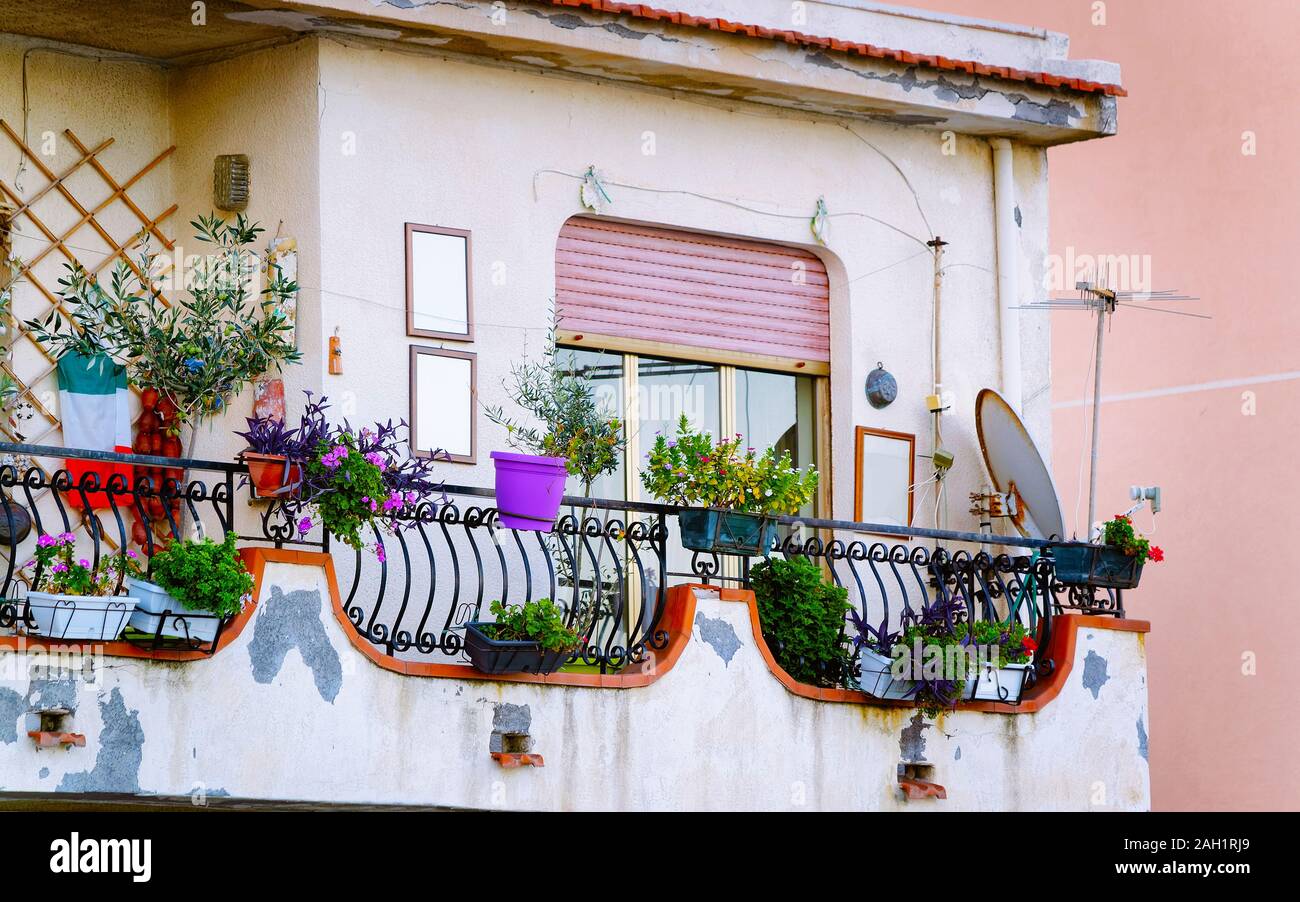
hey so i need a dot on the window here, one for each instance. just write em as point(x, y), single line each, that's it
point(763, 407)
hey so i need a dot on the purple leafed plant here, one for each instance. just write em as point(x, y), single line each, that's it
point(878, 638)
point(382, 453)
point(267, 435)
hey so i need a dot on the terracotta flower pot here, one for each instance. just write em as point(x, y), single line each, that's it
point(273, 475)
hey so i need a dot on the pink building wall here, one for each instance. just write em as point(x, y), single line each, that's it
point(1207, 409)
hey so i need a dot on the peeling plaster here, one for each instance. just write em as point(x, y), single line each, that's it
point(44, 772)
point(911, 742)
point(1054, 112)
point(11, 708)
point(121, 749)
point(1094, 673)
point(508, 718)
point(719, 635)
point(514, 721)
point(294, 621)
point(1142, 739)
point(956, 756)
point(60, 691)
point(570, 22)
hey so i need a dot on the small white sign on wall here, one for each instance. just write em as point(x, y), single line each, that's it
point(442, 404)
point(439, 292)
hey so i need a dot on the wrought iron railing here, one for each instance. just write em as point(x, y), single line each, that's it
point(142, 501)
point(606, 563)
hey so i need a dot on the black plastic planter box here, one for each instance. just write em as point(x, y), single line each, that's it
point(1102, 566)
point(497, 656)
point(726, 532)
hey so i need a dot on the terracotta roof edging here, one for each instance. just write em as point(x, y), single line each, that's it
point(933, 61)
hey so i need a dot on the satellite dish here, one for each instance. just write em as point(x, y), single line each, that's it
point(1017, 469)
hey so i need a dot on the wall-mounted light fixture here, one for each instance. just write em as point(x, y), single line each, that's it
point(231, 182)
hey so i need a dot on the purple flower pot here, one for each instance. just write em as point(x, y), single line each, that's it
point(529, 489)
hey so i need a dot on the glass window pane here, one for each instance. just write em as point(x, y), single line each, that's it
point(605, 370)
point(666, 389)
point(778, 410)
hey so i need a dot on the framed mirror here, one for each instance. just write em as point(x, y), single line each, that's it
point(439, 287)
point(884, 474)
point(443, 383)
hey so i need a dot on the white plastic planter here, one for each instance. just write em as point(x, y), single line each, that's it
point(878, 679)
point(179, 622)
point(92, 618)
point(998, 684)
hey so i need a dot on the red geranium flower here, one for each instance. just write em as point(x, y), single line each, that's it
point(1029, 644)
point(1156, 554)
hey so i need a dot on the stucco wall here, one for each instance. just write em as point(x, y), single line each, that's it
point(262, 104)
point(407, 138)
point(716, 732)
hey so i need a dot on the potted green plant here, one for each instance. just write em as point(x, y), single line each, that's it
point(528, 638)
point(1115, 564)
point(1005, 658)
point(733, 491)
point(73, 598)
point(802, 619)
point(194, 586)
point(577, 436)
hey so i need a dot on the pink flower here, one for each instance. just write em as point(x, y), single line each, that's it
point(46, 541)
point(59, 567)
point(379, 553)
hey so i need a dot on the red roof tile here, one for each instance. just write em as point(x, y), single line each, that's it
point(641, 11)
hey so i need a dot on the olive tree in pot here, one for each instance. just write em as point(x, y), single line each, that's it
point(577, 436)
point(191, 354)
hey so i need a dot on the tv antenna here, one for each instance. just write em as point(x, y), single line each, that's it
point(1098, 297)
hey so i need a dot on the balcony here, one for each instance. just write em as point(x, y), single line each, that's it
point(607, 564)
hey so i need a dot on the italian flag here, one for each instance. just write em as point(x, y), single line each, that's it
point(95, 408)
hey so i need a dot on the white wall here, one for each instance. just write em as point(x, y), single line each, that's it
point(717, 732)
point(264, 105)
point(463, 145)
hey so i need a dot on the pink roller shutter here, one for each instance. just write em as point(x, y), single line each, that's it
point(683, 288)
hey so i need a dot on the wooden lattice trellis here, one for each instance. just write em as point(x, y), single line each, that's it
point(24, 213)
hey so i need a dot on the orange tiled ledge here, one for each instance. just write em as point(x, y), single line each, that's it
point(679, 615)
point(1060, 648)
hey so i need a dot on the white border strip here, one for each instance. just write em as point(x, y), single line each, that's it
point(1183, 389)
